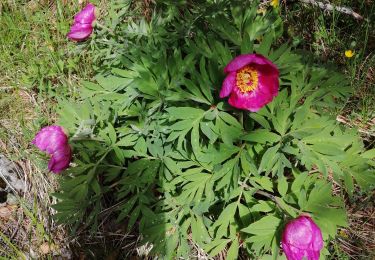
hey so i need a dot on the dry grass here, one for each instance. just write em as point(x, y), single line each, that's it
point(28, 223)
point(358, 241)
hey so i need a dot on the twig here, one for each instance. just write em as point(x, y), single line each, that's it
point(282, 205)
point(329, 7)
point(277, 200)
point(344, 121)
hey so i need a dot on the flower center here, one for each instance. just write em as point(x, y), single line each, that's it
point(247, 79)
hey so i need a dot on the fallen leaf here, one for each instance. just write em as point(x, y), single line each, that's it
point(46, 248)
point(5, 212)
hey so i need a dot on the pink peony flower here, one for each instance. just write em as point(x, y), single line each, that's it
point(83, 24)
point(53, 140)
point(252, 82)
point(302, 238)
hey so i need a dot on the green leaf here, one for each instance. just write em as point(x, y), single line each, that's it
point(232, 253)
point(364, 178)
point(128, 140)
point(111, 133)
point(268, 159)
point(298, 181)
point(224, 219)
point(264, 182)
point(260, 120)
point(209, 130)
point(327, 148)
point(328, 210)
point(184, 112)
point(261, 136)
point(199, 231)
point(230, 120)
point(282, 186)
point(280, 202)
point(262, 206)
point(265, 44)
point(264, 226)
point(195, 141)
point(126, 208)
point(172, 166)
point(370, 154)
point(217, 246)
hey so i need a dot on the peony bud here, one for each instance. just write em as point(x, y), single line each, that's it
point(83, 24)
point(301, 239)
point(53, 140)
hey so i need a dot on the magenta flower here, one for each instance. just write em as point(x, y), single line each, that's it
point(302, 238)
point(53, 140)
point(83, 24)
point(252, 82)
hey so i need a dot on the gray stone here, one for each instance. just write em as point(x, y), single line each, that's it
point(10, 180)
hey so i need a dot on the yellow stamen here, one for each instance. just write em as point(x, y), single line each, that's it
point(247, 79)
point(349, 53)
point(274, 3)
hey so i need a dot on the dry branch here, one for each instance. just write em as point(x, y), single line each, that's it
point(329, 7)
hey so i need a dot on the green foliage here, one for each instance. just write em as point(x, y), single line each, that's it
point(152, 137)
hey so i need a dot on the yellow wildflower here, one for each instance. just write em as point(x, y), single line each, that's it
point(274, 3)
point(349, 53)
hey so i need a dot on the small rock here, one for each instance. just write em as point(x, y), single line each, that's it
point(9, 176)
point(11, 199)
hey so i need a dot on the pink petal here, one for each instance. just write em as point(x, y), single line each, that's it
point(318, 238)
point(56, 141)
point(252, 101)
point(43, 140)
point(246, 59)
point(228, 84)
point(300, 234)
point(269, 85)
point(79, 32)
point(313, 255)
point(87, 15)
point(291, 252)
point(60, 159)
point(268, 69)
point(287, 250)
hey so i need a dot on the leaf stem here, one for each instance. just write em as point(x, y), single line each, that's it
point(99, 25)
point(77, 138)
point(277, 200)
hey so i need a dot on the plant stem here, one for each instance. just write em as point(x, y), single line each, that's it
point(99, 25)
point(76, 138)
point(272, 197)
point(276, 200)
